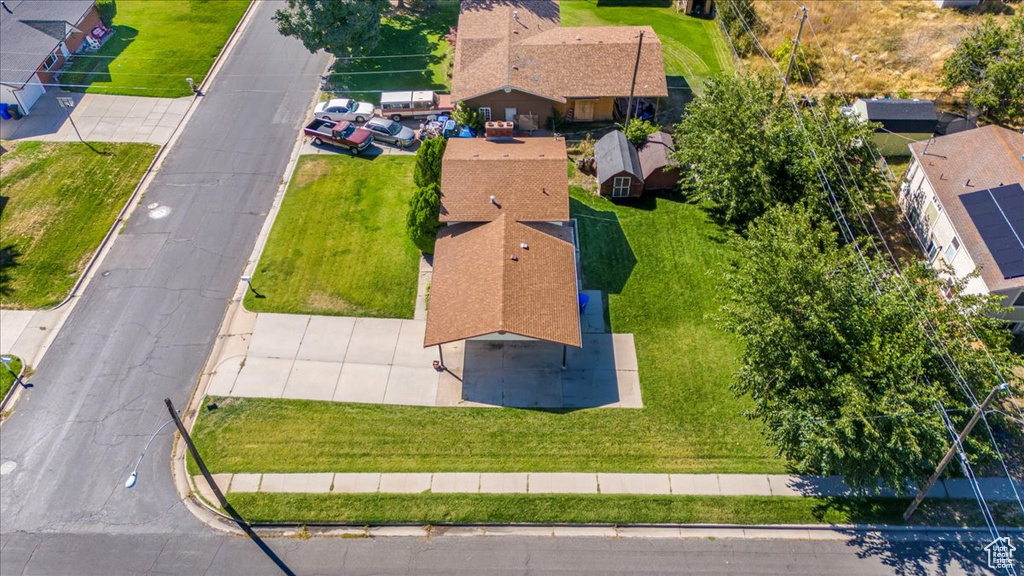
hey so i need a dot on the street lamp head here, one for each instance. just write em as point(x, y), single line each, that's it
point(247, 279)
point(130, 482)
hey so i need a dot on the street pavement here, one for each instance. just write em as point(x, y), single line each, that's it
point(142, 332)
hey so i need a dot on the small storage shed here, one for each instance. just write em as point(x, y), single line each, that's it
point(618, 167)
point(656, 164)
point(901, 120)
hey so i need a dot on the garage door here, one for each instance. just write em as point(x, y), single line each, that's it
point(31, 92)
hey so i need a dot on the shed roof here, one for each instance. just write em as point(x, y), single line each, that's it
point(614, 154)
point(654, 154)
point(899, 115)
point(519, 45)
point(527, 177)
point(968, 162)
point(478, 288)
point(31, 31)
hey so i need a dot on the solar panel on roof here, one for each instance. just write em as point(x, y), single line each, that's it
point(998, 214)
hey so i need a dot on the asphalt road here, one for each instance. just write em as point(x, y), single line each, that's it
point(142, 332)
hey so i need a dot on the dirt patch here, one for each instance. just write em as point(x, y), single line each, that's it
point(328, 303)
point(310, 171)
point(876, 47)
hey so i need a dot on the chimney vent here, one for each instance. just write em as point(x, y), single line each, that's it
point(524, 246)
point(494, 200)
point(514, 258)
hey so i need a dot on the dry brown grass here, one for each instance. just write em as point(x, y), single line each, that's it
point(876, 47)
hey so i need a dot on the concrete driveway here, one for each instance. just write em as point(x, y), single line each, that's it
point(100, 118)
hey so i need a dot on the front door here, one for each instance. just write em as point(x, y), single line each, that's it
point(510, 114)
point(64, 50)
point(584, 111)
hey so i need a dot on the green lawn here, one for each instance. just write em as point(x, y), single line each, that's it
point(412, 55)
point(157, 44)
point(694, 48)
point(661, 261)
point(338, 245)
point(57, 201)
point(6, 377)
point(603, 509)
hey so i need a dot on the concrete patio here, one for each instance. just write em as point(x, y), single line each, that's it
point(100, 118)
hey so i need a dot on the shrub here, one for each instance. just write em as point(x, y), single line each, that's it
point(107, 9)
point(428, 162)
point(806, 65)
point(467, 116)
point(638, 130)
point(422, 220)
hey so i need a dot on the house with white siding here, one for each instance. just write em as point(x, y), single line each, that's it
point(964, 196)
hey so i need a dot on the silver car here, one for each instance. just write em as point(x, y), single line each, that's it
point(386, 130)
point(340, 109)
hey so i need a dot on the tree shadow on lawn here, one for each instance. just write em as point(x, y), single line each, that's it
point(607, 258)
point(95, 67)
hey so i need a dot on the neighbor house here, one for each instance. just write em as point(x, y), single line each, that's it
point(505, 265)
point(696, 7)
point(964, 198)
point(38, 37)
point(514, 62)
point(901, 121)
point(619, 174)
point(957, 3)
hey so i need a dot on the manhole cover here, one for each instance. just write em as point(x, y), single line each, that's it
point(8, 467)
point(159, 212)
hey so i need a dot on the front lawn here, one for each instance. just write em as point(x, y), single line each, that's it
point(57, 201)
point(7, 377)
point(155, 47)
point(412, 55)
point(338, 245)
point(694, 48)
point(661, 262)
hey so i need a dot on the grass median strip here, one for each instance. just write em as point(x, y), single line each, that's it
point(155, 47)
point(660, 262)
point(7, 377)
point(338, 245)
point(59, 201)
point(591, 509)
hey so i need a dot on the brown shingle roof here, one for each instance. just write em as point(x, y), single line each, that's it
point(528, 178)
point(986, 157)
point(477, 288)
point(518, 45)
point(654, 153)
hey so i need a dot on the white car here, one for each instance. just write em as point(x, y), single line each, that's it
point(340, 109)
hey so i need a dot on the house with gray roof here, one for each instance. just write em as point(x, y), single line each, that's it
point(619, 174)
point(39, 36)
point(901, 120)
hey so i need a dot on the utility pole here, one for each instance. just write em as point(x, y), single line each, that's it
point(796, 46)
point(952, 450)
point(632, 87)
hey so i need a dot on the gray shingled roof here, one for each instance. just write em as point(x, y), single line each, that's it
point(908, 116)
point(28, 34)
point(614, 154)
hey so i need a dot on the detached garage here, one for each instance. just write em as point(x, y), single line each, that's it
point(618, 167)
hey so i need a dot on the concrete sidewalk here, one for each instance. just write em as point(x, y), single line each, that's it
point(99, 118)
point(994, 489)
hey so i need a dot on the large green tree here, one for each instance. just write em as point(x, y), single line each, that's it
point(740, 20)
point(744, 149)
point(340, 27)
point(989, 63)
point(837, 361)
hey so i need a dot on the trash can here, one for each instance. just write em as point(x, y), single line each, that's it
point(14, 111)
point(5, 114)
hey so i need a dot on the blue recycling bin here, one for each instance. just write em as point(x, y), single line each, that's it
point(5, 112)
point(584, 300)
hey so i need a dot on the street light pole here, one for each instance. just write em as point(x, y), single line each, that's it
point(130, 482)
point(952, 450)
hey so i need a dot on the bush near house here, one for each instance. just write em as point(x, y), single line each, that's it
point(422, 223)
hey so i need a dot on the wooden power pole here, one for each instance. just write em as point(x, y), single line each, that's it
point(632, 87)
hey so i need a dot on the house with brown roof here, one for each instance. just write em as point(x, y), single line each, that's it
point(505, 264)
point(514, 62)
point(964, 196)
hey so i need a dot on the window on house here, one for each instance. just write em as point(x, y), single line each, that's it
point(51, 60)
point(620, 186)
point(951, 250)
point(1019, 302)
point(486, 113)
point(933, 250)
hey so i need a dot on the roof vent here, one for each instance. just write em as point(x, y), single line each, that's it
point(524, 246)
point(515, 14)
point(494, 200)
point(514, 258)
point(577, 37)
point(541, 155)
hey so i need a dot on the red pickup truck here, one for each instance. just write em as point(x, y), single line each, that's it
point(341, 134)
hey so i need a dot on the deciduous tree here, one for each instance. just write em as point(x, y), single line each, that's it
point(340, 27)
point(989, 63)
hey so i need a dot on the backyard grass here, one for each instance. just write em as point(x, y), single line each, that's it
point(338, 245)
point(412, 55)
point(57, 201)
point(603, 509)
point(660, 262)
point(694, 48)
point(7, 377)
point(157, 44)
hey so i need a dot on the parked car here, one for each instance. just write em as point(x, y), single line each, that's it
point(340, 134)
point(414, 104)
point(386, 130)
point(340, 109)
